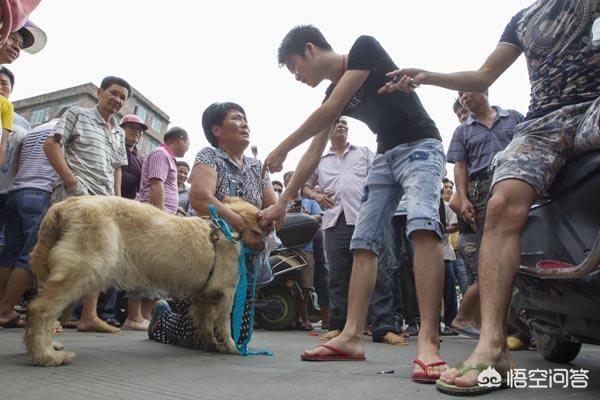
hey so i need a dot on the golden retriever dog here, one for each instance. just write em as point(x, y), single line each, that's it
point(90, 243)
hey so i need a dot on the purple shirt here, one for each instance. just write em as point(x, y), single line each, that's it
point(346, 177)
point(477, 144)
point(132, 174)
point(160, 164)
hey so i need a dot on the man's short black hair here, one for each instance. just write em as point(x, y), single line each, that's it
point(175, 133)
point(114, 80)
point(457, 105)
point(295, 42)
point(273, 183)
point(446, 180)
point(10, 75)
point(182, 164)
point(215, 115)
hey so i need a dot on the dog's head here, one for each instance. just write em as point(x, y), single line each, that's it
point(246, 210)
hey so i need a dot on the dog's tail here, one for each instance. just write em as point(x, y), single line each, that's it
point(48, 235)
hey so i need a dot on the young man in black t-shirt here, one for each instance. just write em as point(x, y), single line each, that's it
point(410, 160)
point(561, 50)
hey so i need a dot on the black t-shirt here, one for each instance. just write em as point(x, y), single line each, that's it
point(395, 118)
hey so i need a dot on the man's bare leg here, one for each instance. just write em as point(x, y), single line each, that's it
point(429, 279)
point(147, 306)
point(362, 283)
point(469, 311)
point(17, 283)
point(499, 259)
point(89, 320)
point(5, 273)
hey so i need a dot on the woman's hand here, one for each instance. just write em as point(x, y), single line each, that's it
point(274, 214)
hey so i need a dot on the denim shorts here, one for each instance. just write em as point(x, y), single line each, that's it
point(413, 168)
point(25, 210)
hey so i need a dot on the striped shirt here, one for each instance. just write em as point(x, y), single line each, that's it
point(346, 177)
point(35, 172)
point(160, 164)
point(93, 148)
point(8, 169)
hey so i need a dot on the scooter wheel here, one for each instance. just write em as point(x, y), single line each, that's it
point(555, 348)
point(283, 320)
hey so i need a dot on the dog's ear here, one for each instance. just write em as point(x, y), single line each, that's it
point(246, 210)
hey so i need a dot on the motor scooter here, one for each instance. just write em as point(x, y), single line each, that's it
point(276, 302)
point(559, 276)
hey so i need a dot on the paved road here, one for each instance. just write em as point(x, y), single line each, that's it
point(129, 366)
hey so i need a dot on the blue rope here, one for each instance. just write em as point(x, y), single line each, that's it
point(237, 313)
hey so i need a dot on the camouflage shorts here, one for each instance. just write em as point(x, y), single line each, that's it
point(60, 193)
point(541, 147)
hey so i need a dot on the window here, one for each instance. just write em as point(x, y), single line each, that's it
point(37, 116)
point(156, 124)
point(141, 112)
point(65, 105)
point(150, 142)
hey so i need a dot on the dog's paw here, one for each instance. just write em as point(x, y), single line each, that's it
point(53, 359)
point(58, 346)
point(227, 347)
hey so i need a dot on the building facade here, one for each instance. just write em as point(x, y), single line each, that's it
point(42, 108)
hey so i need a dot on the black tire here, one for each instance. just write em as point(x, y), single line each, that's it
point(555, 348)
point(285, 319)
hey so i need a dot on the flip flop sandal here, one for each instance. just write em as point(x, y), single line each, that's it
point(16, 322)
point(468, 330)
point(493, 384)
point(424, 376)
point(338, 355)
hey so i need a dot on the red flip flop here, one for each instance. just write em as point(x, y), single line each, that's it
point(338, 355)
point(424, 376)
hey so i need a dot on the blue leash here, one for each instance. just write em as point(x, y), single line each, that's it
point(237, 313)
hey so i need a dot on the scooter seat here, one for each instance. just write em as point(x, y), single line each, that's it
point(575, 171)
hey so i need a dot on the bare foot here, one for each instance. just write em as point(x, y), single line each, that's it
point(501, 361)
point(13, 319)
point(428, 353)
point(96, 325)
point(343, 342)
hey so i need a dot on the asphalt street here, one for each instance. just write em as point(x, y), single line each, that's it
point(129, 366)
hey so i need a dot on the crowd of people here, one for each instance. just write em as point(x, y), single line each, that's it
point(399, 243)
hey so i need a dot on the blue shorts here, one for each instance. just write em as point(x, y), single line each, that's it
point(413, 168)
point(25, 210)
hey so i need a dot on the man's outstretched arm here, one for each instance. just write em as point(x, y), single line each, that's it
point(477, 81)
point(308, 163)
point(320, 119)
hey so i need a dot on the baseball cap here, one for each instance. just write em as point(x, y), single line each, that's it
point(34, 39)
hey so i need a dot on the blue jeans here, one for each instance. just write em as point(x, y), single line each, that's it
point(460, 274)
point(401, 277)
point(412, 168)
point(450, 302)
point(2, 218)
point(25, 210)
point(340, 258)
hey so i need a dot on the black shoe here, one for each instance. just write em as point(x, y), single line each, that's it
point(412, 330)
point(448, 332)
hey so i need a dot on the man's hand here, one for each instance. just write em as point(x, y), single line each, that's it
point(253, 240)
point(406, 80)
point(467, 211)
point(274, 162)
point(70, 183)
point(325, 200)
point(273, 214)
